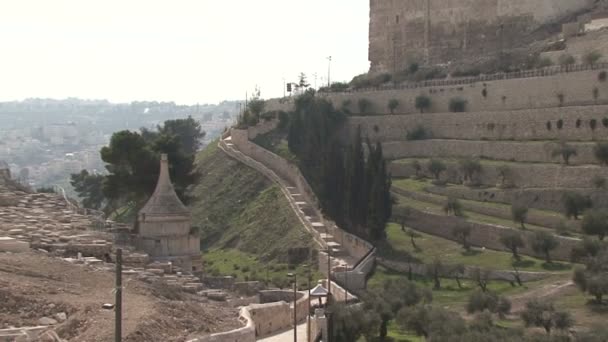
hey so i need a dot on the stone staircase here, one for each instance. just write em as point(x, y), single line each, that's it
point(309, 215)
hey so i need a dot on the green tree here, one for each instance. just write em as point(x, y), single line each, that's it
point(469, 168)
point(417, 168)
point(513, 241)
point(566, 59)
point(436, 167)
point(600, 150)
point(392, 105)
point(452, 206)
point(542, 314)
point(423, 103)
point(187, 131)
point(480, 301)
point(412, 234)
point(462, 233)
point(574, 204)
point(592, 57)
point(89, 188)
point(595, 222)
point(565, 151)
point(543, 243)
point(519, 213)
point(593, 279)
point(434, 270)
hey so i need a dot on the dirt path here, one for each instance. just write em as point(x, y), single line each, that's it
point(518, 302)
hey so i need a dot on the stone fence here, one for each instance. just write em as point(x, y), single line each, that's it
point(508, 151)
point(244, 334)
point(448, 271)
point(520, 175)
point(482, 235)
point(544, 220)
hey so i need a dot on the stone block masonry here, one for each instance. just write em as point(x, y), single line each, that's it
point(438, 31)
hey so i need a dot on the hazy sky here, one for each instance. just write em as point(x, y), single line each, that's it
point(186, 51)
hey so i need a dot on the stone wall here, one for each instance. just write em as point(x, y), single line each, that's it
point(547, 199)
point(244, 334)
point(520, 175)
point(525, 152)
point(437, 31)
point(482, 235)
point(524, 125)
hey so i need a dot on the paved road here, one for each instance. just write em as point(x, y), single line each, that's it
point(287, 336)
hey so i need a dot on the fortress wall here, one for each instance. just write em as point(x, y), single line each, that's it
point(539, 152)
point(522, 175)
point(482, 235)
point(439, 31)
point(501, 95)
point(530, 124)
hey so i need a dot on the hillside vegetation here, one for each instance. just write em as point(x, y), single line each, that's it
point(239, 211)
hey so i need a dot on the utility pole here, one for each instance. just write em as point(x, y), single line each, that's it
point(329, 72)
point(118, 303)
point(308, 310)
point(284, 87)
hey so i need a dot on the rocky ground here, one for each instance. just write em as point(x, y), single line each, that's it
point(36, 289)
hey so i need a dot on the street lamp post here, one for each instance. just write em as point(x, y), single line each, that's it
point(329, 72)
point(294, 276)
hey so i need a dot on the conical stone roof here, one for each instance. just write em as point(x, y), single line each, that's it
point(164, 200)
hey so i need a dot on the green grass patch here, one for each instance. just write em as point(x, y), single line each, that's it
point(431, 247)
point(248, 267)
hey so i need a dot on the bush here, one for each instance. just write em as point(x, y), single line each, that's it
point(458, 105)
point(519, 212)
point(436, 167)
point(543, 243)
point(566, 59)
point(484, 92)
point(418, 133)
point(560, 124)
point(480, 301)
point(452, 206)
point(600, 150)
point(574, 204)
point(470, 167)
point(599, 182)
point(605, 122)
point(413, 68)
point(392, 105)
point(602, 76)
point(423, 103)
point(364, 105)
point(595, 222)
point(592, 57)
point(565, 151)
point(544, 62)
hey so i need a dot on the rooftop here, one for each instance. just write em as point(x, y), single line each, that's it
point(164, 200)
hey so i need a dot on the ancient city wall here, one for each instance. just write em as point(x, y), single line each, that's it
point(521, 175)
point(528, 152)
point(482, 235)
point(438, 31)
point(521, 125)
point(529, 90)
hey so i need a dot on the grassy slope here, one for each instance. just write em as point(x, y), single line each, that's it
point(243, 218)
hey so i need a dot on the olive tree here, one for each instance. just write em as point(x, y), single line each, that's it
point(543, 243)
point(519, 212)
point(513, 241)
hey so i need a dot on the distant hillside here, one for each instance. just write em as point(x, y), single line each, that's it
point(236, 208)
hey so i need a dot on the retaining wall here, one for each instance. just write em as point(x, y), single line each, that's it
point(524, 125)
point(520, 175)
point(535, 152)
point(548, 199)
point(482, 235)
point(543, 220)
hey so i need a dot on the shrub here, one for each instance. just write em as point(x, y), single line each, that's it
point(436, 167)
point(480, 301)
point(462, 233)
point(519, 212)
point(364, 105)
point(600, 150)
point(566, 59)
point(560, 99)
point(543, 243)
point(595, 222)
point(392, 105)
point(504, 172)
point(423, 103)
point(574, 204)
point(592, 57)
point(543, 315)
point(458, 105)
point(245, 269)
point(565, 151)
point(339, 86)
point(484, 93)
point(602, 76)
point(470, 167)
point(418, 133)
point(472, 72)
point(599, 182)
point(413, 68)
point(417, 168)
point(513, 241)
point(593, 124)
point(452, 206)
